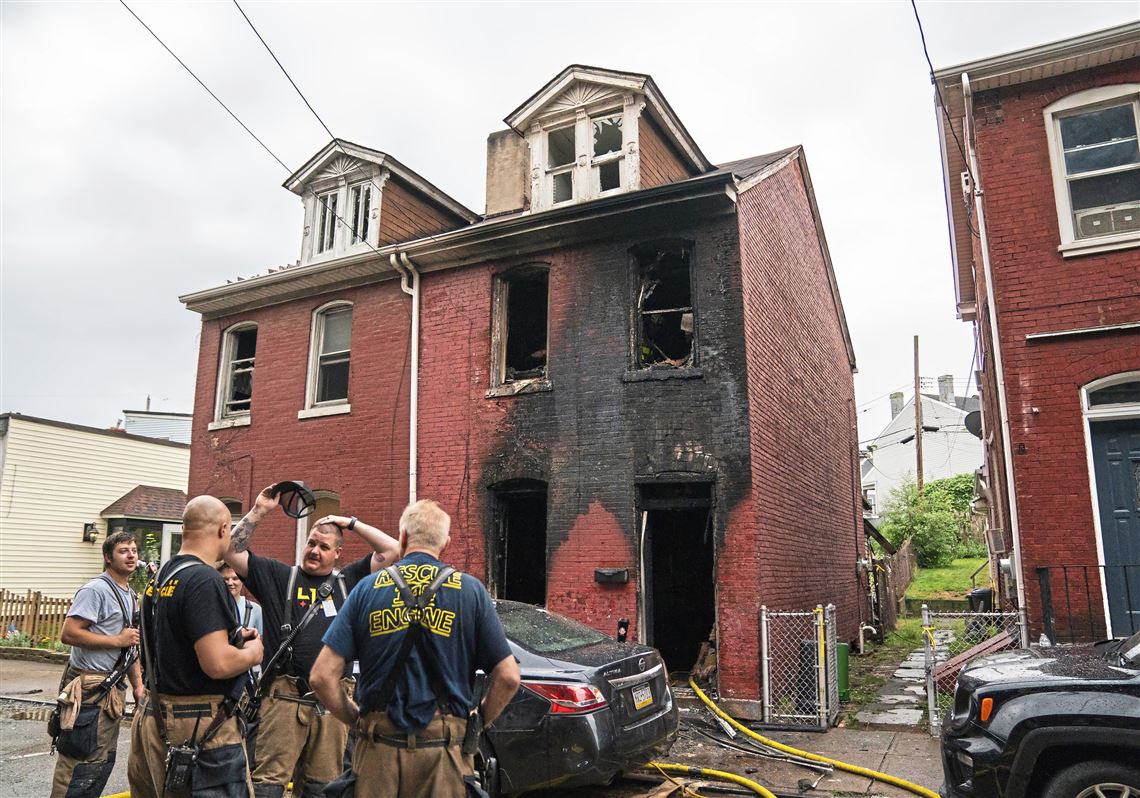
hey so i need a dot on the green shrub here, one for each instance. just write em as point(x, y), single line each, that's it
point(937, 521)
point(935, 538)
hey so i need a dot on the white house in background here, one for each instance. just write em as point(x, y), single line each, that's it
point(154, 424)
point(948, 448)
point(64, 486)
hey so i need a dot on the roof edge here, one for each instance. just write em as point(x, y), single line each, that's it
point(96, 430)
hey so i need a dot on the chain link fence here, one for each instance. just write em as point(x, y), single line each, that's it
point(953, 639)
point(798, 667)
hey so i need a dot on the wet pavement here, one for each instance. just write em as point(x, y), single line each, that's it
point(27, 765)
point(901, 701)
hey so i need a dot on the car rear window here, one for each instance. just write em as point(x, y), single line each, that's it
point(542, 632)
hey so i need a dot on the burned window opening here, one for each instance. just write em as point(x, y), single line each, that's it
point(522, 324)
point(242, 348)
point(665, 316)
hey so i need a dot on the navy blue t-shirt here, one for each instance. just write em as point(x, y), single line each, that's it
point(465, 635)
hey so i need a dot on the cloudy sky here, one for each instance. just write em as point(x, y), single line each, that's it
point(124, 185)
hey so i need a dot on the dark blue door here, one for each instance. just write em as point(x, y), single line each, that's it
point(1116, 463)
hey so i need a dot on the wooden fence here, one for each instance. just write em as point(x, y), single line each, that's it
point(893, 575)
point(33, 614)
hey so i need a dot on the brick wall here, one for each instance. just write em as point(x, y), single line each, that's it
point(807, 533)
point(405, 215)
point(1038, 291)
point(660, 163)
point(597, 432)
point(362, 456)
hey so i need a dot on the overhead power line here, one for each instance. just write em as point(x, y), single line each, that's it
point(946, 114)
point(201, 83)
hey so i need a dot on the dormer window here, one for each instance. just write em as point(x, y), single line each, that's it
point(326, 222)
point(607, 155)
point(560, 161)
point(361, 200)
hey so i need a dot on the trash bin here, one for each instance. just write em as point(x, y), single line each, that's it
point(981, 599)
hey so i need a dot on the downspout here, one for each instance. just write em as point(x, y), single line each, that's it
point(410, 283)
point(1003, 405)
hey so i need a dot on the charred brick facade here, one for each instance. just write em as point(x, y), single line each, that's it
point(739, 459)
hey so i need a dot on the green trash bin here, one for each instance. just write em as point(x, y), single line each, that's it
point(842, 650)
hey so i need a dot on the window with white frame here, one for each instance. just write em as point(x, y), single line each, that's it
point(561, 157)
point(360, 203)
point(607, 153)
point(519, 317)
point(1096, 166)
point(326, 222)
point(238, 350)
point(332, 344)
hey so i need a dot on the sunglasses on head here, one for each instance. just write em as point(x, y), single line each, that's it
point(296, 500)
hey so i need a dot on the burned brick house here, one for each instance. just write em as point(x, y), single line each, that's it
point(629, 381)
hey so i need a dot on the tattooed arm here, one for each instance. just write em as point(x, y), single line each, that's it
point(237, 555)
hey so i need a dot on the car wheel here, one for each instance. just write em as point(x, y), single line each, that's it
point(1095, 780)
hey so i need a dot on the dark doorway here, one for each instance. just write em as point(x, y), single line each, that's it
point(518, 543)
point(677, 555)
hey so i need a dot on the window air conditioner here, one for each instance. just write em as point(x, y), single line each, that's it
point(1107, 220)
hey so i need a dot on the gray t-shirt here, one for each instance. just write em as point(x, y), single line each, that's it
point(96, 602)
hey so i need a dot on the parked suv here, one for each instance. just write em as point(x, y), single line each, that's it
point(1057, 722)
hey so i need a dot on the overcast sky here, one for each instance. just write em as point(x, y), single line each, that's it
point(124, 185)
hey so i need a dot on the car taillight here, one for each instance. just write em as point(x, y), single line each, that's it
point(568, 698)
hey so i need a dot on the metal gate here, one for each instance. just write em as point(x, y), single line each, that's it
point(798, 667)
point(948, 640)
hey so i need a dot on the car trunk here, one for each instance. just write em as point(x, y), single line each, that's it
point(635, 687)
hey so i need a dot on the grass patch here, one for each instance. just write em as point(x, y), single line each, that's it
point(952, 582)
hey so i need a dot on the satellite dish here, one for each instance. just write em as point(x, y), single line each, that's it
point(974, 423)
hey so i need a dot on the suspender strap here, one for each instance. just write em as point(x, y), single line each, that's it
point(151, 675)
point(413, 636)
point(121, 663)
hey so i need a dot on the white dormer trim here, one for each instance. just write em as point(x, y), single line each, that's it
point(597, 81)
point(579, 106)
point(337, 168)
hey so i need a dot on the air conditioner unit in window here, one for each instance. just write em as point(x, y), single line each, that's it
point(1108, 220)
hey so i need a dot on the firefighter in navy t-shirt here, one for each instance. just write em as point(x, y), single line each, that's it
point(295, 734)
point(413, 749)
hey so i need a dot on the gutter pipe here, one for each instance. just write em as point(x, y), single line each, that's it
point(410, 284)
point(1003, 405)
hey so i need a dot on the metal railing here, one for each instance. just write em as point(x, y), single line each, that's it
point(798, 667)
point(950, 641)
point(1073, 605)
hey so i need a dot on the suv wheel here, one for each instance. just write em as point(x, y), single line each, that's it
point(1095, 780)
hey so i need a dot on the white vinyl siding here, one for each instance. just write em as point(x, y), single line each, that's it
point(54, 480)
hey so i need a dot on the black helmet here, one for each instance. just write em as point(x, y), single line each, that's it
point(296, 500)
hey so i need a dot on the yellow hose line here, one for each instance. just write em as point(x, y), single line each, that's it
point(886, 778)
point(118, 795)
point(686, 770)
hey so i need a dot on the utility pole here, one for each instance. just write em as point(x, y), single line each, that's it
point(917, 419)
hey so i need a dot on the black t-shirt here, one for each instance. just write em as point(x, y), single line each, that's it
point(189, 606)
point(268, 579)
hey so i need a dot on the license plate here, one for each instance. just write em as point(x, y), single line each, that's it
point(642, 696)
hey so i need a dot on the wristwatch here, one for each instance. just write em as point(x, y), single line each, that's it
point(351, 525)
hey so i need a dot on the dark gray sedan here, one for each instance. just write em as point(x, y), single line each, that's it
point(589, 708)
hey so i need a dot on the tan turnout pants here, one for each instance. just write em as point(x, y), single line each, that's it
point(294, 737)
point(222, 770)
point(85, 778)
point(396, 764)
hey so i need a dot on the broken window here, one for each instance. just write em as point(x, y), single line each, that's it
point(521, 298)
point(361, 199)
point(666, 325)
point(333, 341)
point(237, 376)
point(326, 221)
point(607, 152)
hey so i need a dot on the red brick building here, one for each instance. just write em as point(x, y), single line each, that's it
point(1042, 176)
point(629, 381)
